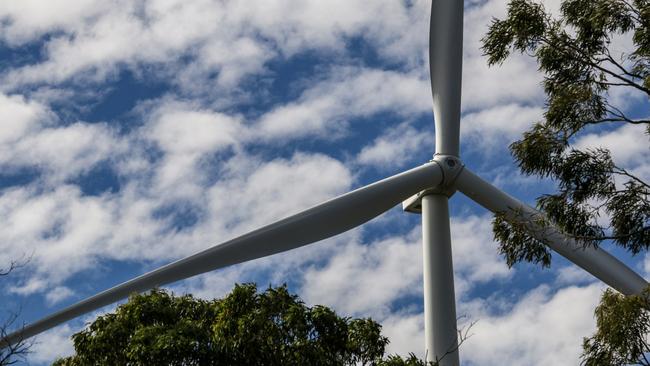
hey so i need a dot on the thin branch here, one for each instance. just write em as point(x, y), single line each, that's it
point(10, 353)
point(608, 84)
point(621, 171)
point(645, 359)
point(589, 62)
point(611, 59)
point(618, 119)
point(607, 237)
point(633, 10)
point(620, 114)
point(463, 335)
point(645, 345)
point(15, 264)
point(627, 81)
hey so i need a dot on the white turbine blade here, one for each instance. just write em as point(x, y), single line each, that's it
point(445, 66)
point(317, 223)
point(594, 260)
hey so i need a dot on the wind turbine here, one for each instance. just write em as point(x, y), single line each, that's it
point(424, 189)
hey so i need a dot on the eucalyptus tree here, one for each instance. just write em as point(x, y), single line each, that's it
point(246, 327)
point(597, 200)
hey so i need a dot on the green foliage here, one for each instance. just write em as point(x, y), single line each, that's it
point(244, 328)
point(573, 53)
point(621, 338)
point(630, 212)
point(412, 360)
point(156, 328)
point(596, 200)
point(517, 244)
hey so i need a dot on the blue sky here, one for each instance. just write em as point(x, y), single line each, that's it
point(134, 133)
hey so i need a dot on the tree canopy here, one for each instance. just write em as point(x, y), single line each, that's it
point(623, 323)
point(246, 327)
point(573, 52)
point(597, 200)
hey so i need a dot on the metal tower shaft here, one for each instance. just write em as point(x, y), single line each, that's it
point(440, 328)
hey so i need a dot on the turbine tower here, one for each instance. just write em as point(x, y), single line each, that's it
point(424, 189)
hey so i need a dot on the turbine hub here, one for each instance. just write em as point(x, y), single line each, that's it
point(451, 166)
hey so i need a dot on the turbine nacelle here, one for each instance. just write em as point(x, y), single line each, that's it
point(450, 166)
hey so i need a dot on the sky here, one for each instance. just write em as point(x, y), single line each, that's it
point(135, 133)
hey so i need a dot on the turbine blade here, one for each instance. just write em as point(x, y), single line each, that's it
point(596, 261)
point(317, 223)
point(446, 66)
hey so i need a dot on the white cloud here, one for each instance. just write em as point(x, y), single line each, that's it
point(543, 328)
point(405, 332)
point(365, 279)
point(185, 135)
point(260, 193)
point(232, 60)
point(64, 226)
point(325, 109)
point(58, 294)
point(56, 343)
point(28, 19)
point(515, 82)
point(393, 148)
point(63, 151)
point(19, 117)
point(218, 36)
point(53, 344)
point(30, 137)
point(498, 126)
point(124, 32)
point(54, 227)
point(573, 275)
point(628, 144)
point(475, 253)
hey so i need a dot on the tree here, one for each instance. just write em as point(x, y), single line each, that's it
point(597, 200)
point(11, 353)
point(623, 323)
point(244, 328)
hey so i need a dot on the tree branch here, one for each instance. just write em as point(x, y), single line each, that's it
point(10, 353)
point(621, 171)
point(564, 46)
point(633, 10)
point(605, 120)
point(607, 237)
point(15, 264)
point(609, 58)
point(463, 335)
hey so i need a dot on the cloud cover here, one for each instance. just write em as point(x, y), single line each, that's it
point(265, 108)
